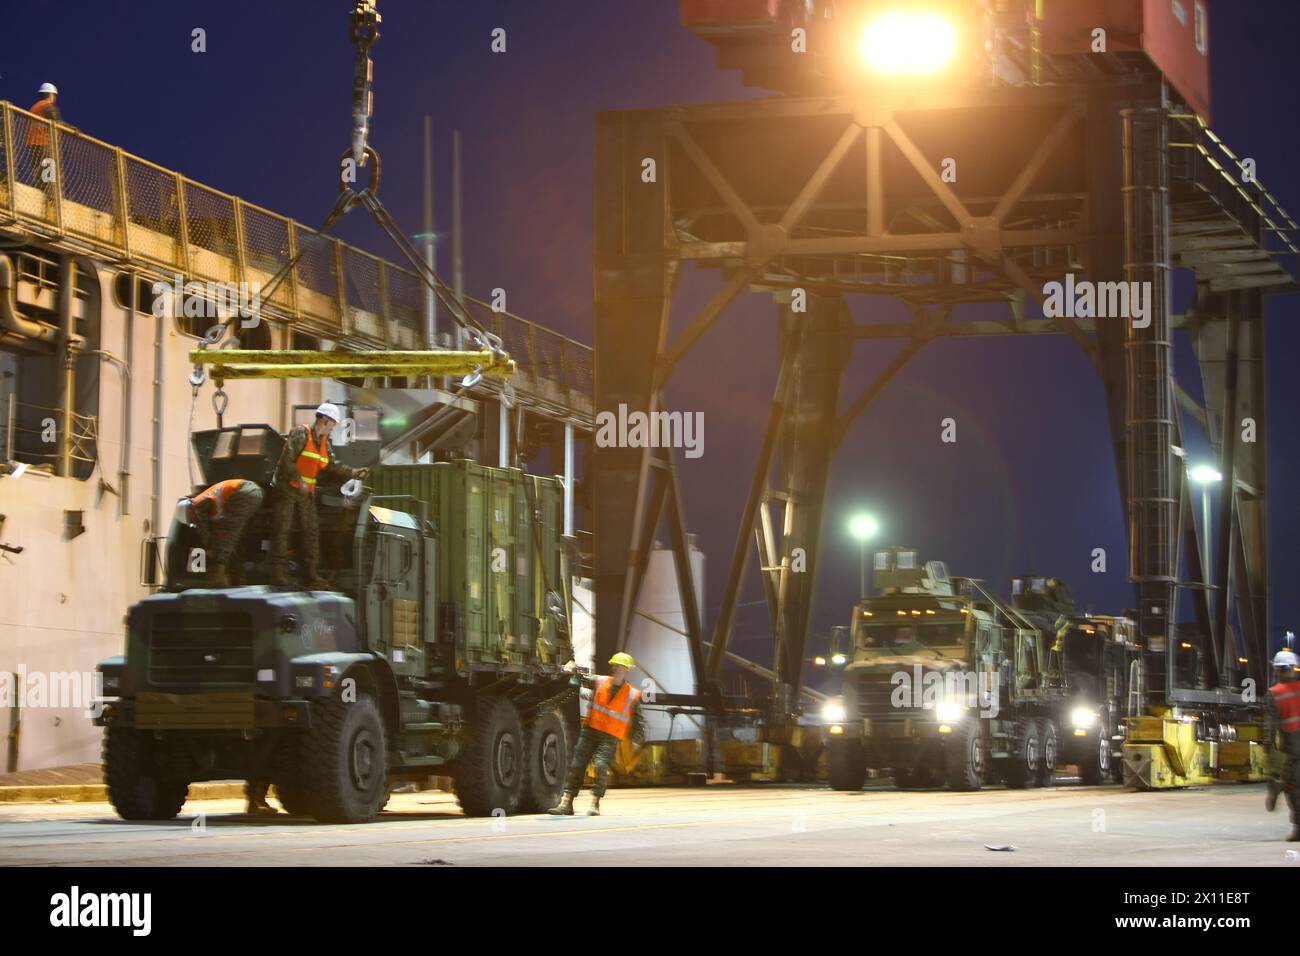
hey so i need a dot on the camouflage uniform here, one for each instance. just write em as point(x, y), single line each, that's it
point(1284, 769)
point(221, 524)
point(286, 502)
point(603, 748)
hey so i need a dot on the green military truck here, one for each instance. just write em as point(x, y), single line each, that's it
point(944, 683)
point(440, 651)
point(1092, 665)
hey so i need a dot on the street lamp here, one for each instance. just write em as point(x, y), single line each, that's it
point(1205, 476)
point(864, 528)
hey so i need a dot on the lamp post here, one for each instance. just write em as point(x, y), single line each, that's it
point(1205, 476)
point(864, 528)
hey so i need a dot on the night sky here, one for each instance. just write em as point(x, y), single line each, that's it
point(264, 113)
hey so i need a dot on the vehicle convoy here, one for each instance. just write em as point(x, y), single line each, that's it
point(947, 683)
point(440, 650)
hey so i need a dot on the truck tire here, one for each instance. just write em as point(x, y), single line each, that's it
point(136, 787)
point(846, 764)
point(546, 751)
point(965, 758)
point(1095, 767)
point(490, 771)
point(1048, 748)
point(293, 798)
point(1021, 768)
point(344, 762)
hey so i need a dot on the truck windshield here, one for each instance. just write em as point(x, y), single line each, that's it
point(928, 634)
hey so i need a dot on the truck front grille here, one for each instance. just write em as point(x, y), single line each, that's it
point(201, 649)
point(874, 700)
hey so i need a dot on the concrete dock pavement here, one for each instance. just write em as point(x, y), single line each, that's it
point(719, 825)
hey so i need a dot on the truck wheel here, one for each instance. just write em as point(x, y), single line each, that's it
point(490, 771)
point(1047, 749)
point(1021, 768)
point(136, 787)
point(966, 758)
point(1095, 768)
point(293, 797)
point(345, 762)
point(846, 764)
point(546, 748)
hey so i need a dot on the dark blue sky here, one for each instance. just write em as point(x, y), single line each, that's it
point(264, 113)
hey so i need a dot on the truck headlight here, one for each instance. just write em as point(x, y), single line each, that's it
point(833, 711)
point(839, 660)
point(948, 712)
point(1083, 717)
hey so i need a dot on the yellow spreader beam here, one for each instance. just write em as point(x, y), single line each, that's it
point(254, 363)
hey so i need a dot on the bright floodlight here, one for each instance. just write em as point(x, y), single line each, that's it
point(908, 43)
point(863, 527)
point(1204, 475)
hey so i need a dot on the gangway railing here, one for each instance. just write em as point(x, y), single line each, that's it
point(58, 183)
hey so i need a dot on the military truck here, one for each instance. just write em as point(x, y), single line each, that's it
point(945, 683)
point(440, 650)
point(1092, 663)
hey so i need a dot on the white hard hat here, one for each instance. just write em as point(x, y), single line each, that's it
point(330, 410)
point(1286, 658)
point(48, 88)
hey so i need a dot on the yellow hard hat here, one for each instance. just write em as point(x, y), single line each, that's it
point(624, 659)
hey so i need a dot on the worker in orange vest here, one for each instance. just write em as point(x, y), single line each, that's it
point(615, 715)
point(1283, 738)
point(219, 515)
point(305, 458)
point(38, 134)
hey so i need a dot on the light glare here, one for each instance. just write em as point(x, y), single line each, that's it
point(908, 43)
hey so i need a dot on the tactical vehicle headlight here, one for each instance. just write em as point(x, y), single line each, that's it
point(948, 711)
point(833, 711)
point(1083, 717)
point(288, 624)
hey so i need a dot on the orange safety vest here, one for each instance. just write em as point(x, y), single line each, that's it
point(38, 134)
point(611, 712)
point(1286, 694)
point(217, 496)
point(313, 460)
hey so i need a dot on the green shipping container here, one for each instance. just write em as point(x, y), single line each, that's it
point(499, 560)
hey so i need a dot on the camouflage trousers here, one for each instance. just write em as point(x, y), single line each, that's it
point(1286, 773)
point(591, 743)
point(284, 506)
point(221, 534)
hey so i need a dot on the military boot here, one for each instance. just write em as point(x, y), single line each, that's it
point(255, 794)
point(315, 582)
point(217, 577)
point(564, 808)
point(594, 810)
point(1270, 798)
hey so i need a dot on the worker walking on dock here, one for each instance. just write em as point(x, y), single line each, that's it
point(615, 714)
point(305, 458)
point(1284, 737)
point(219, 514)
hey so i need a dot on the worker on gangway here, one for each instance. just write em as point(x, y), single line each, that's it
point(38, 135)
